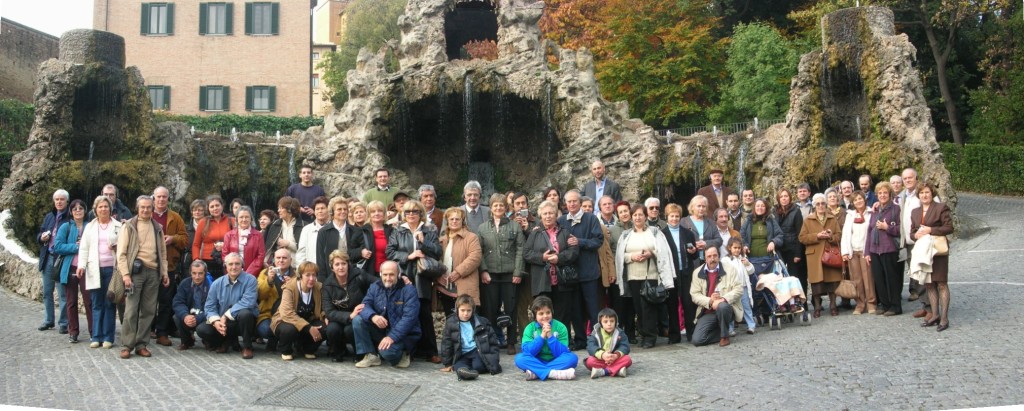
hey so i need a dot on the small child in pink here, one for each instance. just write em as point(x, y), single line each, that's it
point(608, 347)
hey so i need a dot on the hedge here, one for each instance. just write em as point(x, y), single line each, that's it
point(985, 168)
point(250, 123)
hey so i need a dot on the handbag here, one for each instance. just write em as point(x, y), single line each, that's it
point(831, 258)
point(429, 267)
point(116, 291)
point(55, 267)
point(941, 245)
point(568, 274)
point(846, 289)
point(653, 292)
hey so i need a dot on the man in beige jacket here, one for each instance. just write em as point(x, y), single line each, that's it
point(717, 291)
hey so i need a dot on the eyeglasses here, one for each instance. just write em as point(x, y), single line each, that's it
point(412, 212)
point(653, 208)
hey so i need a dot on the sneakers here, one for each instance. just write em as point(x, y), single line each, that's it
point(732, 333)
point(567, 374)
point(94, 344)
point(597, 372)
point(622, 372)
point(45, 326)
point(750, 330)
point(371, 360)
point(503, 320)
point(310, 356)
point(404, 362)
point(108, 345)
point(530, 375)
point(73, 339)
point(466, 374)
point(286, 357)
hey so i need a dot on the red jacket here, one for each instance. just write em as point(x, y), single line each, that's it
point(252, 258)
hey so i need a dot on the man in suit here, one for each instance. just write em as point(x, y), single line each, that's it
point(716, 289)
point(864, 182)
point(716, 192)
point(476, 214)
point(601, 185)
point(428, 196)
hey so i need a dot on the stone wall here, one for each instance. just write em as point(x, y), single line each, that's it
point(22, 49)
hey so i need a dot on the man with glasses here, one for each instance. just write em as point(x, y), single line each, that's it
point(142, 263)
point(231, 309)
point(653, 206)
point(119, 211)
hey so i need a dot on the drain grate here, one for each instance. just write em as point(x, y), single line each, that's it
point(338, 394)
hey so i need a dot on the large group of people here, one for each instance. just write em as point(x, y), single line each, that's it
point(584, 270)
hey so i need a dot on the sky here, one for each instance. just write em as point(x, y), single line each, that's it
point(49, 16)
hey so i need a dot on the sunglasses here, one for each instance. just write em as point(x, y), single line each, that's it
point(413, 212)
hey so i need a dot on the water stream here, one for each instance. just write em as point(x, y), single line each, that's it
point(467, 114)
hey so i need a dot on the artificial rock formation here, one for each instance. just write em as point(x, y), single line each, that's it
point(442, 121)
point(856, 106)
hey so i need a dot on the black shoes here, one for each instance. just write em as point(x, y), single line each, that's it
point(63, 330)
point(466, 374)
point(45, 326)
point(73, 339)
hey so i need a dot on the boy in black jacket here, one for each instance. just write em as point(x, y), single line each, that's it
point(468, 344)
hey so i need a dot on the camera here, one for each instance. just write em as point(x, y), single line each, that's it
point(195, 311)
point(524, 213)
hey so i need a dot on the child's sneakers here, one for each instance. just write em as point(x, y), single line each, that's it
point(622, 372)
point(598, 372)
point(466, 374)
point(567, 374)
point(530, 375)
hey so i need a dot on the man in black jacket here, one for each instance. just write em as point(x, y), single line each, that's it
point(189, 303)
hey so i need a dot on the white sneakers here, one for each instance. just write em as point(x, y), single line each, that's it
point(622, 372)
point(567, 374)
point(597, 372)
point(371, 360)
point(404, 362)
point(286, 357)
point(94, 344)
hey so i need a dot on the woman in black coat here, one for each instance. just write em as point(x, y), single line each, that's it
point(543, 255)
point(343, 293)
point(791, 221)
point(412, 240)
point(376, 233)
point(278, 234)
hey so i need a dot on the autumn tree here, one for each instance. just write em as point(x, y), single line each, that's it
point(661, 56)
point(371, 23)
point(573, 24)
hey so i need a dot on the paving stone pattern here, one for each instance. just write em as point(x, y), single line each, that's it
point(845, 362)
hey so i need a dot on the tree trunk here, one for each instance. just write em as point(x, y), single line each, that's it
point(941, 58)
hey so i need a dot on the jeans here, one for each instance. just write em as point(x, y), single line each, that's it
point(48, 286)
point(104, 315)
point(368, 337)
point(263, 330)
point(748, 311)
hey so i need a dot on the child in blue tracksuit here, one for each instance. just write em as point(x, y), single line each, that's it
point(546, 351)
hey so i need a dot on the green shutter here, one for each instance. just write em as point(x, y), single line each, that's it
point(170, 18)
point(275, 11)
point(202, 98)
point(248, 98)
point(145, 19)
point(230, 11)
point(248, 19)
point(167, 98)
point(204, 18)
point(272, 104)
point(227, 98)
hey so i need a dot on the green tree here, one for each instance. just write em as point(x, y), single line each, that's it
point(761, 64)
point(662, 57)
point(371, 23)
point(999, 103)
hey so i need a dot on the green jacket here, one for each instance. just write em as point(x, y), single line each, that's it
point(541, 348)
point(386, 197)
point(502, 247)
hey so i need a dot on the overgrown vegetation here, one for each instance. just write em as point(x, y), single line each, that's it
point(371, 23)
point(15, 124)
point(247, 123)
point(985, 168)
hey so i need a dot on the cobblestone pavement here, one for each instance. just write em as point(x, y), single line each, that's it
point(845, 362)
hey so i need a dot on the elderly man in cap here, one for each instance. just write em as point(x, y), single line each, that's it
point(716, 192)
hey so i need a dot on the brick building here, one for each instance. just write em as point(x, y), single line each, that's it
point(203, 57)
point(22, 50)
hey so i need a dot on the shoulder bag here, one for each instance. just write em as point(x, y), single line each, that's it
point(830, 257)
point(846, 289)
point(940, 244)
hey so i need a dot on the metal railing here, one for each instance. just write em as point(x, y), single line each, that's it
point(723, 129)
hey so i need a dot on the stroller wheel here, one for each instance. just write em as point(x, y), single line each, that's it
point(775, 324)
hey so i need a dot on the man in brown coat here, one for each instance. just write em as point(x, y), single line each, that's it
point(716, 192)
point(175, 240)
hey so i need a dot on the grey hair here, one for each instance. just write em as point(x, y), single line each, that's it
point(199, 263)
point(652, 201)
point(472, 185)
point(819, 196)
point(61, 192)
point(112, 186)
point(573, 191)
point(547, 204)
point(102, 199)
point(424, 188)
point(158, 189)
point(245, 209)
point(233, 254)
point(143, 197)
point(585, 199)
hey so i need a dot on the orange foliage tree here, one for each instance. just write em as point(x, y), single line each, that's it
point(482, 49)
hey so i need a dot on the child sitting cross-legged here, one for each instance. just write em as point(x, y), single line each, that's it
point(468, 345)
point(545, 346)
point(608, 347)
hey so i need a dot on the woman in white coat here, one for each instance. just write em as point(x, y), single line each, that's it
point(633, 254)
point(96, 261)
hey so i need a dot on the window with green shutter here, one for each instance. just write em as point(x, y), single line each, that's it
point(262, 19)
point(261, 98)
point(160, 97)
point(157, 19)
point(215, 18)
point(214, 98)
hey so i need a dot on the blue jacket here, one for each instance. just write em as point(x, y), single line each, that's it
point(51, 222)
point(184, 299)
point(588, 232)
point(66, 244)
point(225, 297)
point(400, 305)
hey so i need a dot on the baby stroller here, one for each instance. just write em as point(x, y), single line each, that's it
point(778, 297)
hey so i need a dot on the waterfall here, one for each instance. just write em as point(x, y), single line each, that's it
point(697, 169)
point(467, 114)
point(442, 104)
point(549, 118)
point(483, 173)
point(404, 120)
point(500, 106)
point(254, 174)
point(858, 128)
point(293, 176)
point(741, 175)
